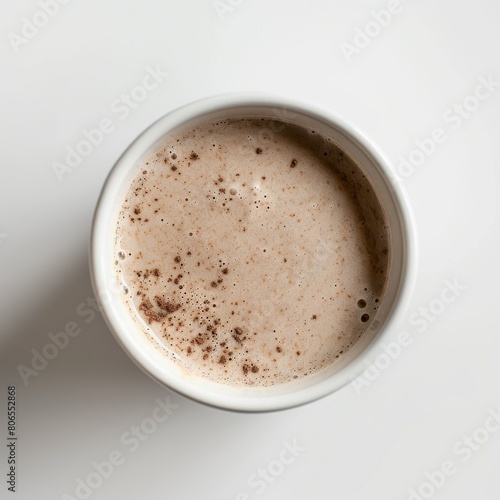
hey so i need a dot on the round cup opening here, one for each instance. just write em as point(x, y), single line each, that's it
point(149, 358)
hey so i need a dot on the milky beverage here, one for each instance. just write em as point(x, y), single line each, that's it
point(251, 258)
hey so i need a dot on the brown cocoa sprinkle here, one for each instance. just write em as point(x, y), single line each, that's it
point(253, 368)
point(164, 161)
point(205, 357)
point(144, 171)
point(193, 156)
point(238, 339)
point(225, 270)
point(173, 168)
point(314, 316)
point(155, 272)
point(137, 210)
point(298, 353)
point(213, 284)
point(177, 259)
point(146, 308)
point(145, 305)
point(238, 330)
point(279, 349)
point(220, 179)
point(293, 164)
point(169, 307)
point(189, 350)
point(222, 191)
point(258, 151)
point(365, 318)
point(222, 360)
point(199, 340)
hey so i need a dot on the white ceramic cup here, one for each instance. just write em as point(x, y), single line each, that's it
point(150, 359)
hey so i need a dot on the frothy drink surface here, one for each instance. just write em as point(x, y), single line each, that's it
point(251, 259)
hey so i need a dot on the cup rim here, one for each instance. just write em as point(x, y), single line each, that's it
point(100, 239)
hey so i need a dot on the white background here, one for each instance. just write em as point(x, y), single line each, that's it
point(371, 444)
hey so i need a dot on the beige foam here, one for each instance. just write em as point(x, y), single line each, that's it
point(254, 258)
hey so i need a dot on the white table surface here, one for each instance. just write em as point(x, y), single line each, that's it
point(374, 443)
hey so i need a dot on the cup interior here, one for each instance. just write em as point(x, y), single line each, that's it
point(149, 356)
